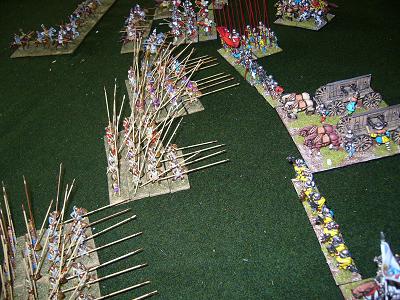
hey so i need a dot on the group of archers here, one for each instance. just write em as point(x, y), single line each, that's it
point(51, 37)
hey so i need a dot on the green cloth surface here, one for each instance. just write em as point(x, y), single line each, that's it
point(239, 232)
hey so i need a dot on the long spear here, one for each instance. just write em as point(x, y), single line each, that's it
point(43, 224)
point(58, 186)
point(81, 283)
point(29, 204)
point(94, 268)
point(113, 243)
point(212, 80)
point(169, 141)
point(108, 217)
point(199, 168)
point(197, 151)
point(217, 90)
point(8, 212)
point(148, 295)
point(109, 276)
point(97, 210)
point(110, 228)
point(196, 145)
point(216, 83)
point(29, 233)
point(123, 290)
point(3, 286)
point(208, 77)
point(29, 278)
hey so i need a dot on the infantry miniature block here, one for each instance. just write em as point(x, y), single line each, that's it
point(212, 35)
point(269, 51)
point(43, 285)
point(309, 24)
point(180, 184)
point(271, 101)
point(124, 190)
point(340, 276)
point(189, 107)
point(128, 190)
point(129, 47)
point(84, 30)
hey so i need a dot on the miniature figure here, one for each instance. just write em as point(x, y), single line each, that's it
point(309, 14)
point(67, 33)
point(386, 283)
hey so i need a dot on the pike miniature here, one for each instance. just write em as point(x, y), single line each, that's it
point(161, 89)
point(64, 257)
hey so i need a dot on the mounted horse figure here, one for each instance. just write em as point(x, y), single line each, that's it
point(294, 103)
point(317, 137)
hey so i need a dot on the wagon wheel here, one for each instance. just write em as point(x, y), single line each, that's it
point(372, 100)
point(396, 136)
point(362, 143)
point(336, 108)
point(319, 94)
point(343, 125)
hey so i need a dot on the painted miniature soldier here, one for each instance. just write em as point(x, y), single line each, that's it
point(317, 202)
point(308, 190)
point(78, 213)
point(53, 283)
point(178, 173)
point(345, 261)
point(17, 41)
point(352, 105)
point(39, 38)
point(54, 271)
point(83, 248)
point(83, 296)
point(32, 255)
point(382, 137)
point(78, 268)
point(53, 254)
point(60, 39)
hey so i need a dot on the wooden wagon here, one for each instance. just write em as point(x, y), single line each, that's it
point(362, 124)
point(335, 95)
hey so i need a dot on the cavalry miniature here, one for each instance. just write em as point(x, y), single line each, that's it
point(51, 37)
point(312, 14)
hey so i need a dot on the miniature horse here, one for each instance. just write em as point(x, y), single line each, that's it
point(317, 137)
point(294, 103)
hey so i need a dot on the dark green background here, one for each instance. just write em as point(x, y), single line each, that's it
point(239, 232)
